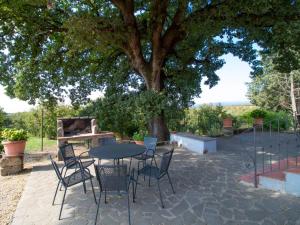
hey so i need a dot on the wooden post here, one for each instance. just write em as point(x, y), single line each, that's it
point(42, 131)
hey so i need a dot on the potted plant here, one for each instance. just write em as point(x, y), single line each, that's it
point(258, 115)
point(138, 137)
point(14, 141)
point(227, 121)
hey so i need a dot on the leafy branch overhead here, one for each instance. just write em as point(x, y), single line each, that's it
point(55, 48)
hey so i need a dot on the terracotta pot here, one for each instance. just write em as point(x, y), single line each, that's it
point(227, 123)
point(14, 148)
point(258, 121)
point(139, 142)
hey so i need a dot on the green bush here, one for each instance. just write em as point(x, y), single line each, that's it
point(139, 136)
point(32, 121)
point(278, 120)
point(1, 146)
point(206, 120)
point(14, 135)
point(272, 120)
point(258, 113)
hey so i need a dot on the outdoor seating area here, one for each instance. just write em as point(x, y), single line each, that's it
point(152, 112)
point(117, 174)
point(207, 191)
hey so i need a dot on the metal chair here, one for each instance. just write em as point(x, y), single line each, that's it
point(72, 161)
point(113, 178)
point(107, 141)
point(79, 176)
point(150, 144)
point(157, 172)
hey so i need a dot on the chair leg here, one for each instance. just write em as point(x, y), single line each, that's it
point(137, 180)
point(62, 204)
point(130, 164)
point(57, 186)
point(144, 164)
point(129, 222)
point(133, 194)
point(84, 187)
point(63, 177)
point(169, 178)
point(98, 205)
point(93, 191)
point(160, 195)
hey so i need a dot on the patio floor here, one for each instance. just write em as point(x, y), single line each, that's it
point(207, 192)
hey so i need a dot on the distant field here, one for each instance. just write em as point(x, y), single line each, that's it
point(238, 110)
point(34, 144)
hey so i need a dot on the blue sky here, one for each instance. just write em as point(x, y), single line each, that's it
point(231, 87)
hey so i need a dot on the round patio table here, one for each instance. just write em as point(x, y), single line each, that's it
point(116, 151)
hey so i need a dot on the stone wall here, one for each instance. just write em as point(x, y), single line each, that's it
point(11, 165)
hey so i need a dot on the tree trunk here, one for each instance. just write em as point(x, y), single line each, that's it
point(157, 126)
point(292, 94)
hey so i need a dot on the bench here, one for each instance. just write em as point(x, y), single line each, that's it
point(195, 143)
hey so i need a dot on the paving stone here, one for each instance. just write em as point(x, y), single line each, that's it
point(198, 209)
point(255, 215)
point(189, 218)
point(180, 208)
point(207, 193)
point(213, 219)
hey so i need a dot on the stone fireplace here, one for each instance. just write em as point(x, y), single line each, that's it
point(79, 128)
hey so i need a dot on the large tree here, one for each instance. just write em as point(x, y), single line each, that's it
point(273, 89)
point(159, 47)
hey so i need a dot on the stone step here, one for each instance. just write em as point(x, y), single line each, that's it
point(282, 176)
point(273, 181)
point(292, 184)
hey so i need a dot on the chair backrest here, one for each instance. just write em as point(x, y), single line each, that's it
point(67, 152)
point(56, 169)
point(150, 144)
point(112, 177)
point(165, 162)
point(107, 141)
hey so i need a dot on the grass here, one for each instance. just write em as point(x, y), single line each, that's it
point(34, 144)
point(238, 110)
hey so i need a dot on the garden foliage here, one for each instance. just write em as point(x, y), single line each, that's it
point(14, 134)
point(50, 49)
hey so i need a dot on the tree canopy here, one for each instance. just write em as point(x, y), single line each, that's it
point(272, 89)
point(50, 49)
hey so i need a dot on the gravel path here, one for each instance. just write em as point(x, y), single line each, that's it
point(10, 194)
point(11, 187)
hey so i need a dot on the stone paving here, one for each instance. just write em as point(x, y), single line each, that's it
point(207, 193)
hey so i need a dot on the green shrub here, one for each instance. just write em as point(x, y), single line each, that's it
point(32, 121)
point(14, 135)
point(206, 120)
point(139, 136)
point(1, 146)
point(278, 120)
point(258, 113)
point(271, 119)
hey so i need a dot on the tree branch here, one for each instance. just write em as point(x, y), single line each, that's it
point(134, 49)
point(174, 33)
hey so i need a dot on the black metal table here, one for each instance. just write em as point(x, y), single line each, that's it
point(116, 151)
